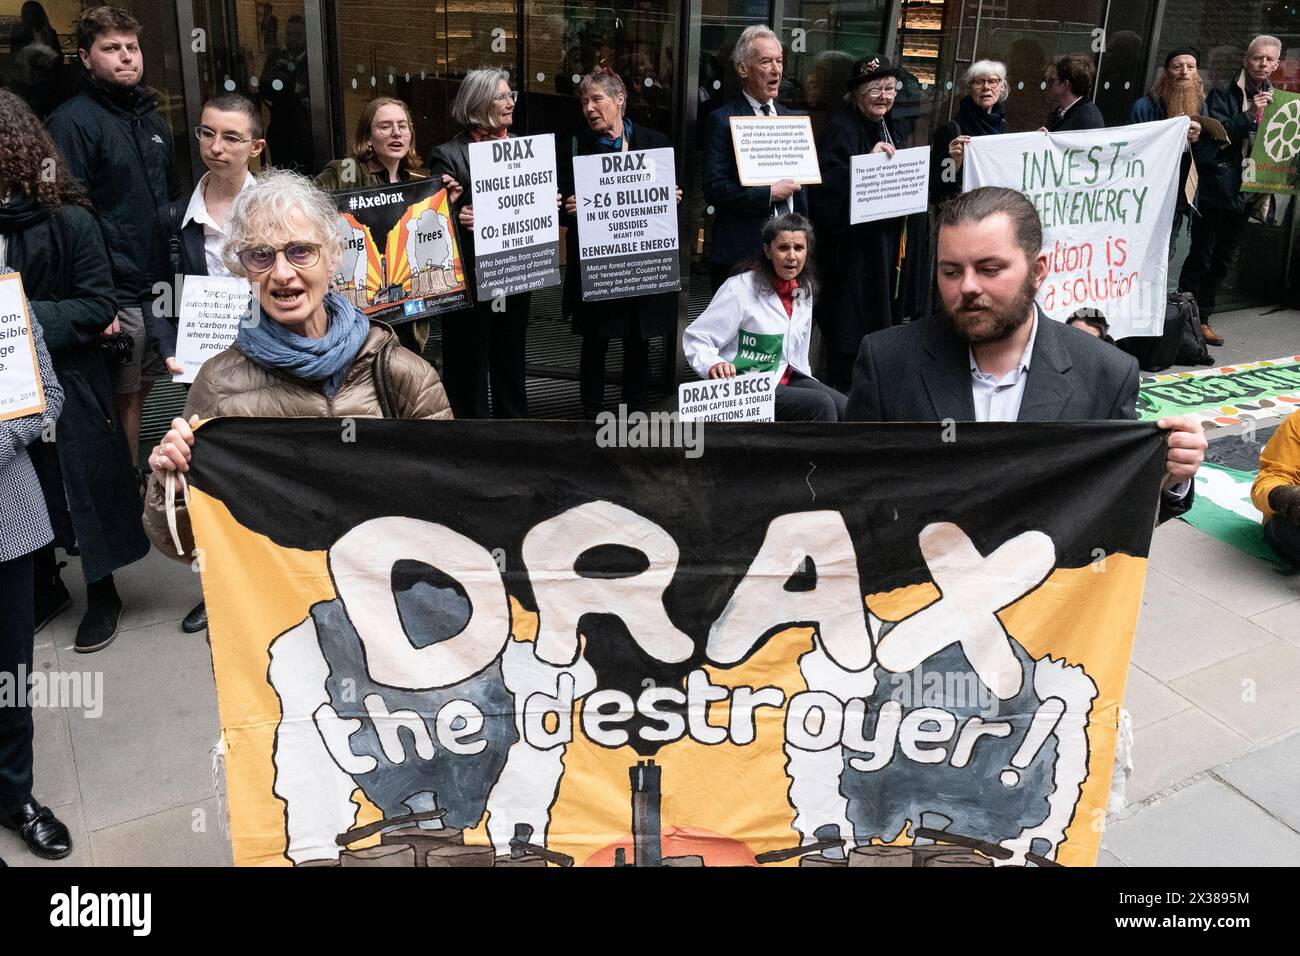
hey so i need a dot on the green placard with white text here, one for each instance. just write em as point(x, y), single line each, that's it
point(1272, 164)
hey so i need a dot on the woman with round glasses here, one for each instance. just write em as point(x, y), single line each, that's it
point(980, 113)
point(859, 264)
point(188, 237)
point(485, 344)
point(382, 152)
point(303, 351)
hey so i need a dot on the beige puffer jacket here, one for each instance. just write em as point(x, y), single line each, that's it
point(230, 384)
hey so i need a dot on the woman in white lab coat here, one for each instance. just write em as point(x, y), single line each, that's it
point(761, 320)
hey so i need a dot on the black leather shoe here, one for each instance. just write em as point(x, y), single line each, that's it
point(40, 829)
point(98, 626)
point(196, 620)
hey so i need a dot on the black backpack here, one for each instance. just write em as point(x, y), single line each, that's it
point(1192, 349)
point(1181, 343)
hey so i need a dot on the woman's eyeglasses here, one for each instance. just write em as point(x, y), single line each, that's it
point(300, 255)
point(387, 126)
point(512, 97)
point(990, 81)
point(206, 136)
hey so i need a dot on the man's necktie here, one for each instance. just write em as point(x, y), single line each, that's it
point(776, 209)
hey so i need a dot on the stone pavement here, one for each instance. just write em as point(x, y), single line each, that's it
point(1214, 691)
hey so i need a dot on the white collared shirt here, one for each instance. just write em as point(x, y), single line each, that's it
point(213, 235)
point(757, 107)
point(998, 399)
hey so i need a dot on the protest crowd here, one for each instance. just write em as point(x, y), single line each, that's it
point(922, 316)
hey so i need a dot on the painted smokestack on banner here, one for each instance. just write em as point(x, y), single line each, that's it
point(645, 814)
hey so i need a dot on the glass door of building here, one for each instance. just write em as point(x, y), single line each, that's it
point(270, 52)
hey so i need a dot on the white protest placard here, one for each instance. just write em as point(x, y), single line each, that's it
point(772, 148)
point(627, 223)
point(21, 390)
point(883, 187)
point(516, 221)
point(745, 398)
point(208, 319)
point(1106, 199)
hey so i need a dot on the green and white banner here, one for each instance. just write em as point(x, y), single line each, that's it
point(1229, 395)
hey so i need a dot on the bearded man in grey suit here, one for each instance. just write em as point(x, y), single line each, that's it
point(994, 356)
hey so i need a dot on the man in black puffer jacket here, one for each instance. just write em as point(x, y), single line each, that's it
point(114, 140)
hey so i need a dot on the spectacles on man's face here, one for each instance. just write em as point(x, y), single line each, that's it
point(511, 97)
point(206, 136)
point(387, 126)
point(300, 255)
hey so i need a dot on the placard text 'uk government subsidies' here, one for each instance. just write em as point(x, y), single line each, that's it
point(627, 223)
point(517, 248)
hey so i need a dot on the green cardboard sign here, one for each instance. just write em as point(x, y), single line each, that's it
point(1271, 167)
point(758, 352)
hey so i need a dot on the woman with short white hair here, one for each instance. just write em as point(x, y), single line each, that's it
point(302, 351)
point(980, 113)
point(486, 344)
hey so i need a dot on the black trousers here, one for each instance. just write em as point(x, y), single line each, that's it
point(1283, 536)
point(839, 369)
point(17, 637)
point(480, 346)
point(1215, 236)
point(591, 373)
point(805, 399)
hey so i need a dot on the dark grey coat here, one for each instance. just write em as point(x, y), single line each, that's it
point(87, 473)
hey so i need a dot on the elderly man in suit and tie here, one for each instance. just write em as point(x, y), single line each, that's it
point(994, 356)
point(741, 211)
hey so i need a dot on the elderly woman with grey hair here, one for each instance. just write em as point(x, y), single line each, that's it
point(980, 113)
point(303, 352)
point(487, 342)
point(637, 319)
